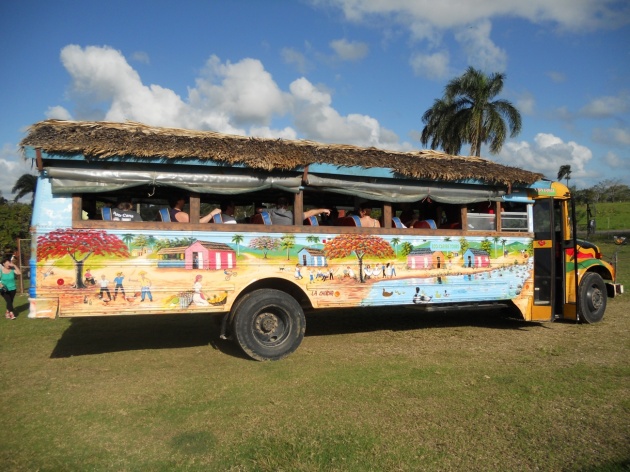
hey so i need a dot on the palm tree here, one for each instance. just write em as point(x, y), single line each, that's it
point(564, 173)
point(467, 114)
point(27, 183)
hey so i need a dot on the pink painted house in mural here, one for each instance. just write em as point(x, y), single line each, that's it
point(209, 256)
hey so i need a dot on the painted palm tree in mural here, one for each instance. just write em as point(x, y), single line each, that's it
point(468, 113)
point(395, 242)
point(312, 239)
point(238, 239)
point(503, 241)
point(287, 242)
point(496, 239)
point(127, 238)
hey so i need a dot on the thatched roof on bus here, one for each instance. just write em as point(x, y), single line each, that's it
point(136, 140)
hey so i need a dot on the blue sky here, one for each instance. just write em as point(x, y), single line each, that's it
point(340, 71)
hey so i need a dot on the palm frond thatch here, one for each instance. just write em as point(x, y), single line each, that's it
point(135, 140)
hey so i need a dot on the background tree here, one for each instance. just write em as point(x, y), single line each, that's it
point(27, 183)
point(15, 220)
point(564, 173)
point(79, 244)
point(468, 114)
point(346, 244)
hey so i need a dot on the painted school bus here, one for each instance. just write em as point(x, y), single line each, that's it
point(453, 231)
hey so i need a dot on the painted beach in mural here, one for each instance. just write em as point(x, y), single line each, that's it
point(98, 272)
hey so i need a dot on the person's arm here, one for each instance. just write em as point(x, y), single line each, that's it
point(315, 212)
point(210, 215)
point(16, 269)
point(182, 217)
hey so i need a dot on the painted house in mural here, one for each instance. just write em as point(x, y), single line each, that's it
point(170, 257)
point(310, 256)
point(420, 258)
point(476, 258)
point(209, 256)
point(199, 255)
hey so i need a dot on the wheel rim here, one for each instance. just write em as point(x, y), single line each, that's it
point(271, 326)
point(595, 298)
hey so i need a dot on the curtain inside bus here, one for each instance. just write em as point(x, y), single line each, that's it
point(68, 180)
point(74, 180)
point(406, 191)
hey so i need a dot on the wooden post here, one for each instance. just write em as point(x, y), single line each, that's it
point(195, 207)
point(298, 209)
point(387, 215)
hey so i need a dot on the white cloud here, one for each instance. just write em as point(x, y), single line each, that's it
point(101, 74)
point(238, 98)
point(315, 117)
point(141, 57)
point(58, 113)
point(244, 90)
point(607, 106)
point(481, 51)
point(546, 154)
point(615, 135)
point(295, 58)
point(428, 20)
point(526, 103)
point(557, 77)
point(431, 66)
point(349, 50)
point(568, 14)
point(616, 162)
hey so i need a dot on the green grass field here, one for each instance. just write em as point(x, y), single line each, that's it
point(608, 216)
point(386, 389)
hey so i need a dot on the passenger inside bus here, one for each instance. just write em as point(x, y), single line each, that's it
point(124, 212)
point(281, 215)
point(365, 210)
point(228, 207)
point(177, 214)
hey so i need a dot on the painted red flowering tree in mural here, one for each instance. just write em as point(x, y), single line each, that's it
point(346, 244)
point(79, 244)
point(265, 244)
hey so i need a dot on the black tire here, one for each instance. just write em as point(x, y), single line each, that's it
point(268, 324)
point(592, 297)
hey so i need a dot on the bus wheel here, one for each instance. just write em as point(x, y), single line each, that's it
point(592, 295)
point(268, 324)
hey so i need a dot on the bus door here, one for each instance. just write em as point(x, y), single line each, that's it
point(549, 271)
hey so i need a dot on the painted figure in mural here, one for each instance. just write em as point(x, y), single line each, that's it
point(89, 278)
point(104, 288)
point(298, 272)
point(145, 286)
point(199, 298)
point(118, 280)
point(392, 270)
